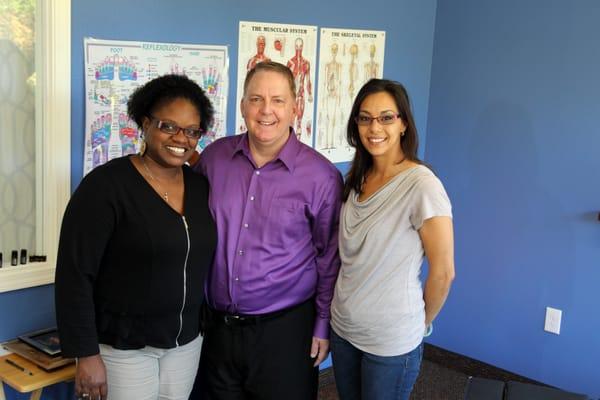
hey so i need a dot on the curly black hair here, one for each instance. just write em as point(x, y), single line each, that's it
point(162, 90)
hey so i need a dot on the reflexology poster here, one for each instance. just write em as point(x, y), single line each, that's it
point(114, 69)
point(347, 59)
point(291, 45)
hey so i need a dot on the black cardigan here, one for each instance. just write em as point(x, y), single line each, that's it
point(120, 270)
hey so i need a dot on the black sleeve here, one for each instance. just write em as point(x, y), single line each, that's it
point(86, 228)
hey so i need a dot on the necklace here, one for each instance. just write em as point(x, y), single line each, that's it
point(160, 189)
point(396, 165)
point(383, 177)
point(401, 161)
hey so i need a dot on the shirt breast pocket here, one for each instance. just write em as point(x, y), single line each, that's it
point(287, 223)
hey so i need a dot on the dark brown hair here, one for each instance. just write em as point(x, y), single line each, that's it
point(409, 142)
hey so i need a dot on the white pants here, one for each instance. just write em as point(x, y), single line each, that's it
point(151, 373)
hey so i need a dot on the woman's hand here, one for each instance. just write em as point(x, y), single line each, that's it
point(90, 378)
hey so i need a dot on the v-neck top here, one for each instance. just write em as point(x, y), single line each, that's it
point(131, 269)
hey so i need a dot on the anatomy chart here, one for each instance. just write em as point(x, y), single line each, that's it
point(347, 59)
point(291, 45)
point(114, 69)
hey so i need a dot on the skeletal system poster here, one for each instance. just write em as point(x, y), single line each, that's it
point(114, 69)
point(347, 59)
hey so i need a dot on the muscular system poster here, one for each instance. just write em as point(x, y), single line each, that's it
point(291, 45)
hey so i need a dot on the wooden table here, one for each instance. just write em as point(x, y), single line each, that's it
point(25, 383)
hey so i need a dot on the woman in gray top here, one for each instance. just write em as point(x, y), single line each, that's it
point(396, 213)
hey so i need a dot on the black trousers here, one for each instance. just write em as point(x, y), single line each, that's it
point(264, 359)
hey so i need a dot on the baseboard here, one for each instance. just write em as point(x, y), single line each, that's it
point(470, 366)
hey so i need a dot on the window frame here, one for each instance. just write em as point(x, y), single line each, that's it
point(53, 141)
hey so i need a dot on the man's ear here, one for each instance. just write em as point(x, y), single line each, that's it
point(242, 107)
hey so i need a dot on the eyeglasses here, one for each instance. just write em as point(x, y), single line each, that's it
point(385, 119)
point(173, 129)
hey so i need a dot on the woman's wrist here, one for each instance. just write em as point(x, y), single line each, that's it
point(428, 329)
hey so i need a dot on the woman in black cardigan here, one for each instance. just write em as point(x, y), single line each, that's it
point(136, 242)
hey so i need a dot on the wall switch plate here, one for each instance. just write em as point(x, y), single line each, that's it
point(553, 318)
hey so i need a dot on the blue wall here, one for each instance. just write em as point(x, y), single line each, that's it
point(513, 133)
point(409, 46)
point(26, 310)
point(409, 30)
point(511, 119)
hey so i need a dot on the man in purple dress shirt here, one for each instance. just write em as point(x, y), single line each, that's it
point(276, 202)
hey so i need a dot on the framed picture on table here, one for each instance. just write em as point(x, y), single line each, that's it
point(45, 340)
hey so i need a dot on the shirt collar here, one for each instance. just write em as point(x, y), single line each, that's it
point(241, 146)
point(287, 155)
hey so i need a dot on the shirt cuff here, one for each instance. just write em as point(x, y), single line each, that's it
point(321, 330)
point(80, 350)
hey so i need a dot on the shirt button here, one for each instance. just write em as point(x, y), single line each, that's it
point(257, 172)
point(245, 225)
point(251, 198)
point(237, 279)
point(241, 252)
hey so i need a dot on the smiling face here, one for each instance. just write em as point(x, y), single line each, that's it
point(381, 141)
point(269, 108)
point(171, 150)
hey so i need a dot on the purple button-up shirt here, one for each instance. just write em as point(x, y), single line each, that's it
point(277, 228)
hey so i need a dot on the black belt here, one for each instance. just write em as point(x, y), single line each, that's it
point(249, 319)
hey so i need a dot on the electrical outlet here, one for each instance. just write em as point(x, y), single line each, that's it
point(553, 317)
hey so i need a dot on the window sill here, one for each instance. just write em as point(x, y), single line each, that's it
point(27, 275)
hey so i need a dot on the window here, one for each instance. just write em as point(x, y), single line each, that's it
point(17, 126)
point(35, 151)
